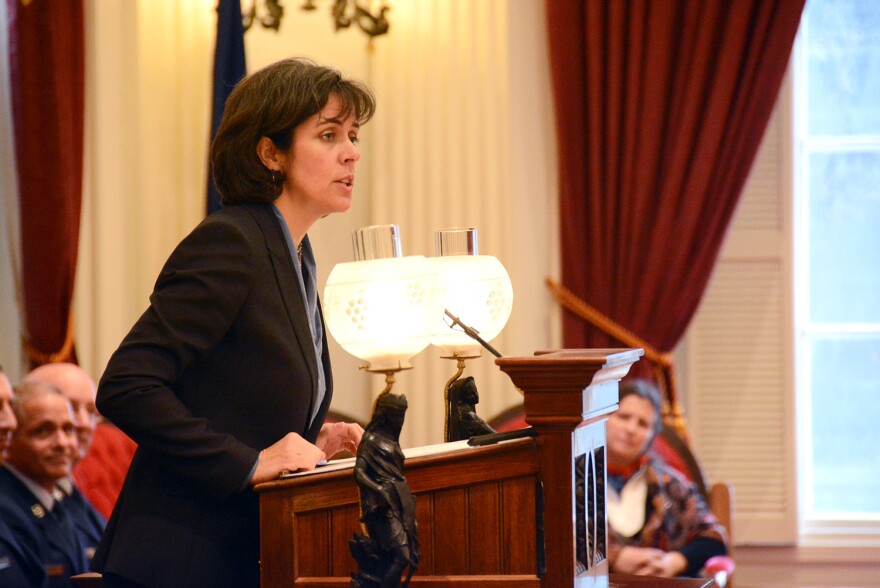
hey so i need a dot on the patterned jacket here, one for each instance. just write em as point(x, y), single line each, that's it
point(677, 515)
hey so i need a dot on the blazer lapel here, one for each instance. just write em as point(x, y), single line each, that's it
point(288, 284)
point(315, 427)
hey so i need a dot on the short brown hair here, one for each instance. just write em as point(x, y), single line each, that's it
point(271, 103)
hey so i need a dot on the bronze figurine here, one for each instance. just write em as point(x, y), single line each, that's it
point(388, 515)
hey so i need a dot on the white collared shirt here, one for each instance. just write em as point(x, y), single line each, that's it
point(46, 499)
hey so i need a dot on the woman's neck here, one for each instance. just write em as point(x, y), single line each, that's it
point(298, 221)
point(627, 469)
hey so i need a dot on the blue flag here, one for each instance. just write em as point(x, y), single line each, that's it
point(229, 68)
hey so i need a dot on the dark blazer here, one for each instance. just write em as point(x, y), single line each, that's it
point(220, 366)
point(48, 538)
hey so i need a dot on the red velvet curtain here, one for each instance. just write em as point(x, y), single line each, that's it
point(660, 109)
point(47, 66)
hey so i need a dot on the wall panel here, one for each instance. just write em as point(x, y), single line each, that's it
point(738, 368)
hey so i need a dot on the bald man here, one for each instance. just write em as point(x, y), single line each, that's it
point(78, 387)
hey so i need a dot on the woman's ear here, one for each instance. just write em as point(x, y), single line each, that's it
point(270, 155)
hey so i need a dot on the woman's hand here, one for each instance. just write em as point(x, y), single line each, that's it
point(291, 453)
point(672, 564)
point(334, 437)
point(638, 560)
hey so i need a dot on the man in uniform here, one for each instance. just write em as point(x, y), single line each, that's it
point(41, 453)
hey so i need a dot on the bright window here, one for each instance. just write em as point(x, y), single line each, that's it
point(837, 248)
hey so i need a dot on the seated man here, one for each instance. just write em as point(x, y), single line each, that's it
point(658, 524)
point(7, 418)
point(20, 563)
point(40, 454)
point(78, 387)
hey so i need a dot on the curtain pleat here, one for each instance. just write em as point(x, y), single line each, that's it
point(660, 109)
point(47, 65)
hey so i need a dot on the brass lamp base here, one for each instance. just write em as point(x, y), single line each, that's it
point(390, 375)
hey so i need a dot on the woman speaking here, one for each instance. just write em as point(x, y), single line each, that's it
point(224, 381)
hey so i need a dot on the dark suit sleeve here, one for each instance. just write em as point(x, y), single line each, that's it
point(195, 301)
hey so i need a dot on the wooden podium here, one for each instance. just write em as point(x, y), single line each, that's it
point(523, 513)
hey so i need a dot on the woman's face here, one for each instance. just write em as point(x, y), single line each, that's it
point(321, 163)
point(629, 430)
